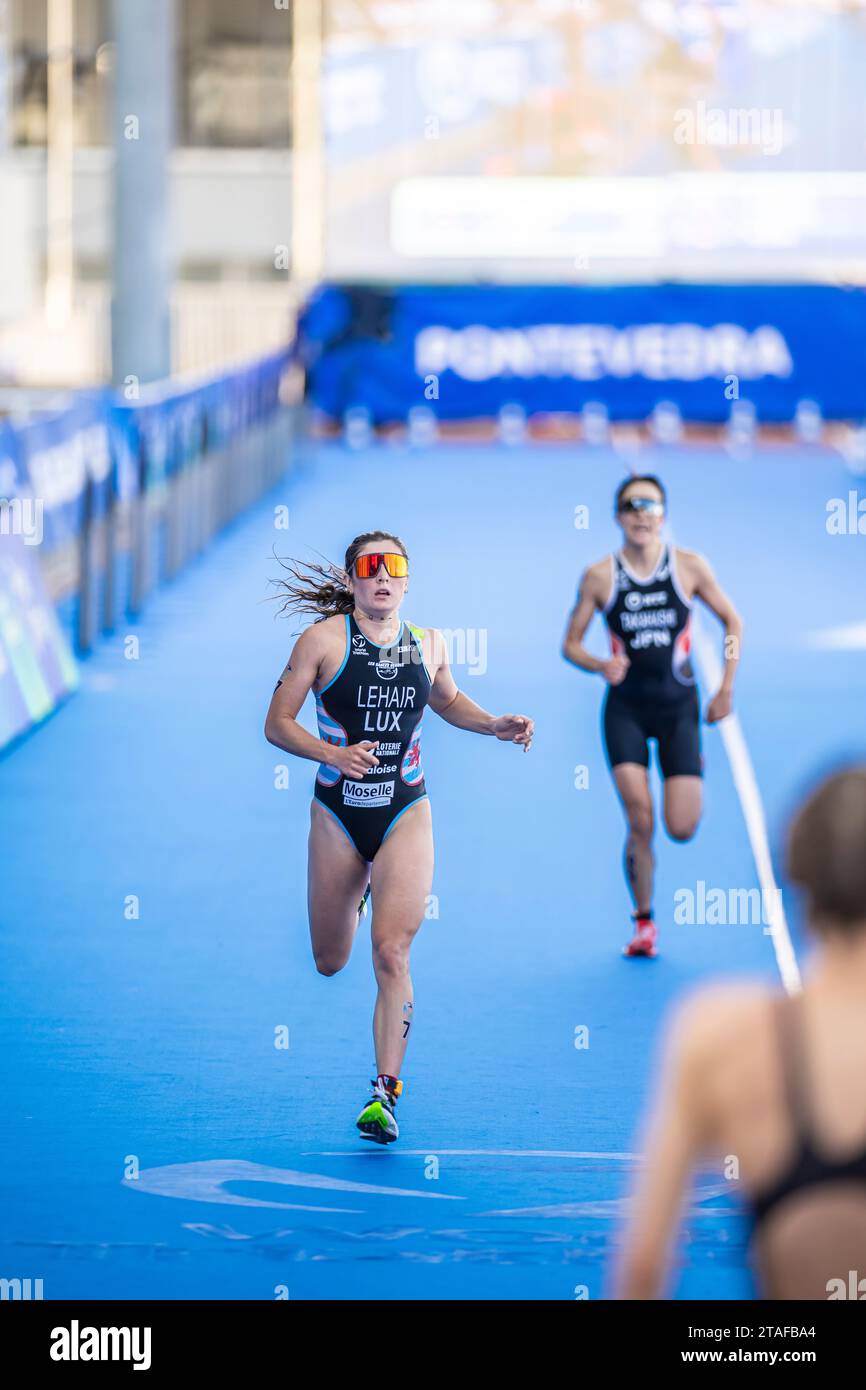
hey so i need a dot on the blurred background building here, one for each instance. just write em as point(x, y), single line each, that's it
point(557, 140)
point(229, 187)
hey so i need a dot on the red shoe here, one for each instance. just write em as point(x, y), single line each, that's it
point(643, 943)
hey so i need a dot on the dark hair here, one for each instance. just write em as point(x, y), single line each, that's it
point(826, 850)
point(639, 478)
point(321, 589)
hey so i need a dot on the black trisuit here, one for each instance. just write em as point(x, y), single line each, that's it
point(379, 692)
point(650, 623)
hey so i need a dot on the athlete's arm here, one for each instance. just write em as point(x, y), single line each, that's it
point(281, 725)
point(590, 600)
point(456, 708)
point(707, 589)
point(677, 1135)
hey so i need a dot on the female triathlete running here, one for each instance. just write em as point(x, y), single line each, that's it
point(370, 826)
point(645, 592)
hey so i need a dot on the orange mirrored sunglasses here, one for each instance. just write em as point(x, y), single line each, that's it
point(368, 565)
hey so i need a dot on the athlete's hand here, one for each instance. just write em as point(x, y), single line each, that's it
point(515, 728)
point(356, 759)
point(614, 669)
point(720, 706)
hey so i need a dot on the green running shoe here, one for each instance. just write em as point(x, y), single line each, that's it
point(376, 1121)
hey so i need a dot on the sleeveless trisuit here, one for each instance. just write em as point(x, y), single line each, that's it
point(379, 692)
point(650, 622)
point(808, 1227)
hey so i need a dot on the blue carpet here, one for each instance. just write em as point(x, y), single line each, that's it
point(145, 1044)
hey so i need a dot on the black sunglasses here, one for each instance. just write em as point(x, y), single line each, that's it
point(649, 505)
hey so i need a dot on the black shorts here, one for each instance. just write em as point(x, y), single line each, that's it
point(628, 728)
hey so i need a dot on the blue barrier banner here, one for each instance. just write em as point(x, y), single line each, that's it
point(46, 465)
point(11, 468)
point(124, 439)
point(467, 351)
point(173, 424)
point(58, 453)
point(37, 668)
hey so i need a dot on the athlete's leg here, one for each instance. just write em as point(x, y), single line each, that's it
point(401, 880)
point(679, 742)
point(682, 806)
point(625, 742)
point(336, 879)
point(632, 783)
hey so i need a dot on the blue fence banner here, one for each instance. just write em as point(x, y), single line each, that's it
point(11, 469)
point(102, 439)
point(58, 452)
point(467, 351)
point(37, 668)
point(58, 469)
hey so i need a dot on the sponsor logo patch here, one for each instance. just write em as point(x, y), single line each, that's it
point(367, 793)
point(635, 599)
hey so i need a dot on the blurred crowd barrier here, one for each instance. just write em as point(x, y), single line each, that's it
point(105, 498)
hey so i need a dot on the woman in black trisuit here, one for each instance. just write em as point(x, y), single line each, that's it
point(779, 1081)
point(645, 593)
point(370, 827)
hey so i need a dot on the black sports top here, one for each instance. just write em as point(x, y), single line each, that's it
point(650, 623)
point(378, 694)
point(807, 1168)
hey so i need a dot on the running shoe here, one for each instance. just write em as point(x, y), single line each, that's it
point(643, 943)
point(376, 1121)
